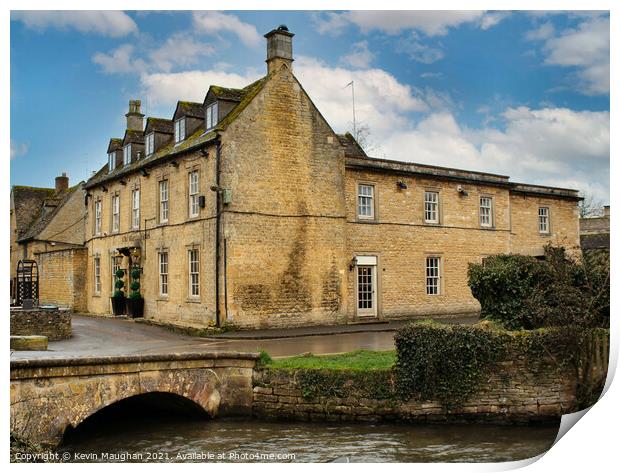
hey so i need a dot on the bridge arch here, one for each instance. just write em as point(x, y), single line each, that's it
point(49, 396)
point(136, 409)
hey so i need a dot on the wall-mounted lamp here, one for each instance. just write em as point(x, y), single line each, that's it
point(205, 154)
point(401, 184)
point(174, 164)
point(123, 182)
point(104, 188)
point(144, 172)
point(462, 191)
point(353, 263)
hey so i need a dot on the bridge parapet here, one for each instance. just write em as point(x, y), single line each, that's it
point(48, 395)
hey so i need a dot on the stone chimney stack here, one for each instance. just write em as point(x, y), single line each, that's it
point(134, 117)
point(606, 211)
point(279, 48)
point(62, 183)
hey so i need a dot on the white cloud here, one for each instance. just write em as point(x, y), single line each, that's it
point(179, 50)
point(419, 51)
point(543, 32)
point(490, 19)
point(103, 22)
point(214, 23)
point(360, 57)
point(165, 89)
point(432, 23)
point(18, 149)
point(119, 61)
point(554, 146)
point(381, 101)
point(585, 47)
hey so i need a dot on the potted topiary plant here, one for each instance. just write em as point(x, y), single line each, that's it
point(118, 299)
point(135, 302)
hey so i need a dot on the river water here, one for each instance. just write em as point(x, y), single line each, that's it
point(236, 440)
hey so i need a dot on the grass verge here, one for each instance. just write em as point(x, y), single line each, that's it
point(360, 360)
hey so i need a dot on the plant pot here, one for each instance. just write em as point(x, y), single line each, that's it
point(135, 307)
point(119, 305)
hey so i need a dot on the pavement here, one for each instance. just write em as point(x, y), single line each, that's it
point(97, 336)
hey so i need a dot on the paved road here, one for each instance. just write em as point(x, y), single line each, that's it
point(107, 336)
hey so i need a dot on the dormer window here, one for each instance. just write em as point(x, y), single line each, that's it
point(111, 161)
point(127, 154)
point(211, 116)
point(179, 130)
point(150, 144)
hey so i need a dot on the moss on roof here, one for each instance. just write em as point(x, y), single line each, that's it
point(115, 144)
point(250, 92)
point(160, 125)
point(188, 109)
point(133, 136)
point(199, 137)
point(226, 93)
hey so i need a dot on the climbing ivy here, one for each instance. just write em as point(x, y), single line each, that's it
point(445, 362)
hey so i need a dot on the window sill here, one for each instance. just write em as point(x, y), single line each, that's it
point(97, 295)
point(432, 224)
point(193, 301)
point(162, 298)
point(195, 217)
point(366, 220)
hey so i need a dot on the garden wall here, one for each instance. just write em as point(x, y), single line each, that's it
point(523, 387)
point(54, 324)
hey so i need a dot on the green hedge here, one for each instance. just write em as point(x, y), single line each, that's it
point(449, 363)
point(522, 292)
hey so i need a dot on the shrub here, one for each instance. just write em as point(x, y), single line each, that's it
point(119, 273)
point(501, 284)
point(119, 284)
point(521, 292)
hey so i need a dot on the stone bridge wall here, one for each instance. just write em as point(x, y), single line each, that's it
point(47, 396)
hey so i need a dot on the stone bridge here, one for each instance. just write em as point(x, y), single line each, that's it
point(50, 395)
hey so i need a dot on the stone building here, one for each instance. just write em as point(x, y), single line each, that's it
point(594, 231)
point(249, 210)
point(47, 226)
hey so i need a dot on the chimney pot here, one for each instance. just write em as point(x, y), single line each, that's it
point(135, 119)
point(62, 182)
point(279, 48)
point(606, 211)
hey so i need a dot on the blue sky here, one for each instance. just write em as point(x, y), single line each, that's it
point(515, 93)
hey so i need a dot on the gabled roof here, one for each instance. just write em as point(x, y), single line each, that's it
point(115, 144)
point(351, 146)
point(217, 92)
point(250, 92)
point(188, 109)
point(197, 140)
point(28, 202)
point(133, 136)
point(160, 125)
point(48, 212)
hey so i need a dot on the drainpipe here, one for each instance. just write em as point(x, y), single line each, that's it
point(218, 204)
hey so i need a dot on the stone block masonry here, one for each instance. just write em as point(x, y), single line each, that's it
point(53, 324)
point(513, 393)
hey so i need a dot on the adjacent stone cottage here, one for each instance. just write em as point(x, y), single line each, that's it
point(47, 227)
point(248, 209)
